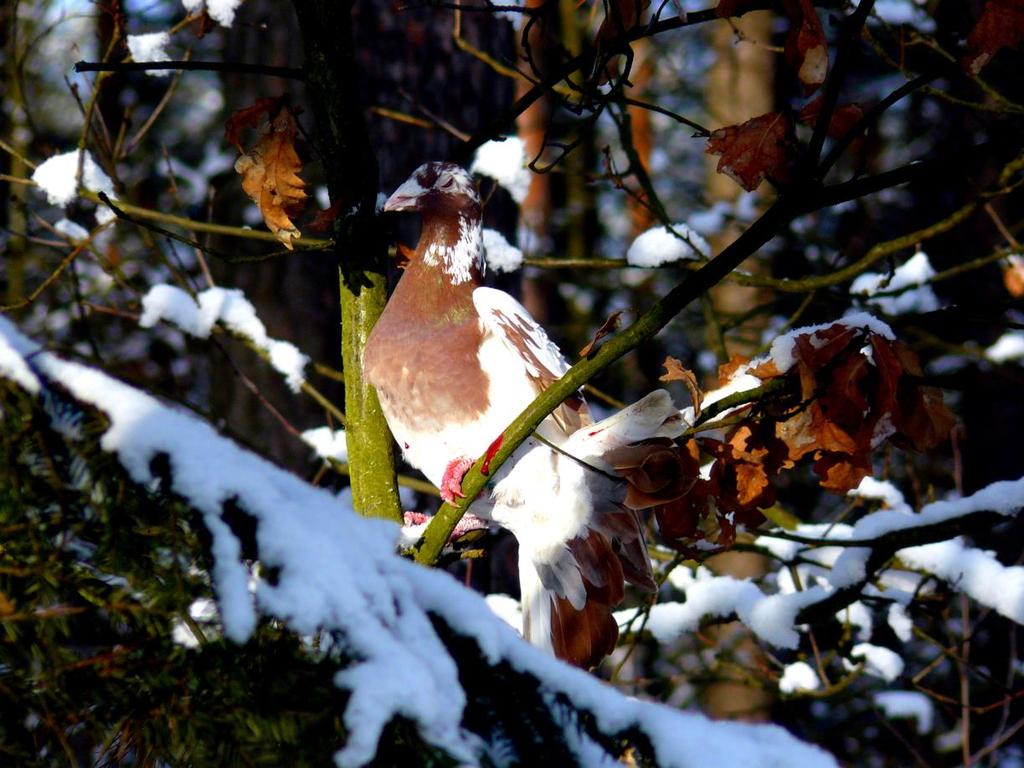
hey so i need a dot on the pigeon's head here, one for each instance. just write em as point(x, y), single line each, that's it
point(435, 186)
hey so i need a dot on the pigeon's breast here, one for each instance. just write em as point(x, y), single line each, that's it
point(432, 390)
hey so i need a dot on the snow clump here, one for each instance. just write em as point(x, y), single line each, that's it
point(659, 245)
point(151, 47)
point(505, 162)
point(500, 254)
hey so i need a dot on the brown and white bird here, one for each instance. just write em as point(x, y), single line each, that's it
point(453, 364)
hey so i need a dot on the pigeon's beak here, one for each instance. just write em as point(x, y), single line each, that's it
point(406, 197)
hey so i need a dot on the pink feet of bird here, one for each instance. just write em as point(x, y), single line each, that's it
point(451, 483)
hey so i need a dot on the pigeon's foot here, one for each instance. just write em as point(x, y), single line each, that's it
point(418, 520)
point(415, 518)
point(451, 483)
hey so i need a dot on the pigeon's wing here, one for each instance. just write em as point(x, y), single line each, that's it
point(532, 352)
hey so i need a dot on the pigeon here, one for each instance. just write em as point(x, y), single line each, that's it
point(453, 363)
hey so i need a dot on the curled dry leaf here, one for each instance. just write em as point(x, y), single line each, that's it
point(1013, 276)
point(1001, 25)
point(806, 46)
point(856, 390)
point(843, 119)
point(847, 392)
point(607, 328)
point(620, 17)
point(762, 147)
point(270, 176)
point(324, 220)
point(655, 470)
point(676, 371)
point(250, 117)
point(728, 369)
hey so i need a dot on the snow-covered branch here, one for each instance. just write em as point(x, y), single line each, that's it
point(422, 647)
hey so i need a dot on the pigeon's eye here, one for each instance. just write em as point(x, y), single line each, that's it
point(448, 182)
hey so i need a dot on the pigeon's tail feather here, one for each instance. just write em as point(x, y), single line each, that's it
point(577, 627)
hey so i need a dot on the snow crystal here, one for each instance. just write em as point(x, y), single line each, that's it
point(12, 361)
point(76, 233)
point(905, 12)
point(506, 608)
point(770, 617)
point(878, 661)
point(203, 611)
point(57, 175)
point(917, 271)
point(740, 381)
point(505, 162)
point(659, 245)
point(883, 491)
point(221, 11)
point(513, 16)
point(197, 317)
point(979, 574)
point(328, 443)
point(907, 704)
point(858, 615)
point(1009, 346)
point(501, 256)
point(170, 303)
point(799, 676)
point(287, 360)
point(151, 47)
point(105, 214)
point(900, 622)
point(338, 571)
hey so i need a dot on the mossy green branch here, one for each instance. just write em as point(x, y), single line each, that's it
point(350, 165)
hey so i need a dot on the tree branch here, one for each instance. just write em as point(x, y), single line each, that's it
point(289, 73)
point(887, 545)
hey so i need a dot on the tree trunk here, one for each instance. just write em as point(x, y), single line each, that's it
point(350, 166)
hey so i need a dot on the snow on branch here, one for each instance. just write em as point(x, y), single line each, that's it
point(661, 245)
point(59, 177)
point(837, 562)
point(770, 617)
point(221, 11)
point(229, 307)
point(505, 162)
point(150, 47)
point(398, 622)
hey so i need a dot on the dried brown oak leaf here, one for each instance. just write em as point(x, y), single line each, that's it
point(762, 147)
point(676, 371)
point(270, 176)
point(250, 117)
point(1001, 25)
point(856, 391)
